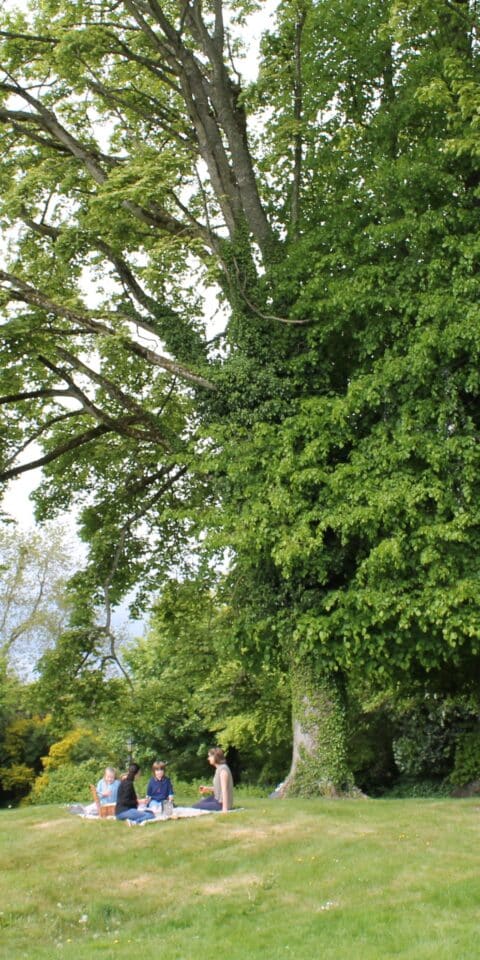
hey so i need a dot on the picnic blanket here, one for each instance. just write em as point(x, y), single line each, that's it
point(181, 813)
point(178, 813)
point(184, 813)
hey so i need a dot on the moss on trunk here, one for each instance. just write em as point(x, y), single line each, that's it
point(319, 760)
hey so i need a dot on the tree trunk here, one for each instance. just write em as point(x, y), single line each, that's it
point(319, 760)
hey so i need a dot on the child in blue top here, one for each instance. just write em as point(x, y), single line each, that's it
point(107, 787)
point(159, 787)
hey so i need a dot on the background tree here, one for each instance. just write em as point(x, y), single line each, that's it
point(24, 736)
point(34, 606)
point(193, 687)
point(327, 437)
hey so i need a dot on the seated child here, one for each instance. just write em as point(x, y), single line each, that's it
point(159, 788)
point(106, 789)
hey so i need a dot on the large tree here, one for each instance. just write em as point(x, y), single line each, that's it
point(327, 435)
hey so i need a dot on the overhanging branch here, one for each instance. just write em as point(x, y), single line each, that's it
point(20, 290)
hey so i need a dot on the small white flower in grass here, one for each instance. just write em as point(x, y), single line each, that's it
point(328, 905)
point(83, 918)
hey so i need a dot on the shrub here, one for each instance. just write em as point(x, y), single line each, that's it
point(66, 784)
point(16, 780)
point(370, 754)
point(25, 740)
point(420, 789)
point(75, 747)
point(467, 759)
point(428, 733)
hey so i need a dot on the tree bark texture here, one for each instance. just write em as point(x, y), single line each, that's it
point(319, 762)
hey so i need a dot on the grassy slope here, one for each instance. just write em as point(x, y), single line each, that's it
point(306, 879)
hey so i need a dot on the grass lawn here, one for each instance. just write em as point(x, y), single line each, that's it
point(364, 879)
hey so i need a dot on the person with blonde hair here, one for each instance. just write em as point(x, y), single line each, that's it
point(105, 793)
point(107, 787)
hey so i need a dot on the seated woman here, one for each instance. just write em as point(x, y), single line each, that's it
point(159, 788)
point(127, 800)
point(222, 787)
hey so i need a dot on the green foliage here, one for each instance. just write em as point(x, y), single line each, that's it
point(466, 767)
point(76, 747)
point(364, 496)
point(322, 449)
point(72, 677)
point(16, 780)
point(25, 739)
point(424, 743)
point(192, 689)
point(66, 783)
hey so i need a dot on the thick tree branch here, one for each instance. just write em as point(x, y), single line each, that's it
point(224, 97)
point(45, 427)
point(48, 120)
point(21, 121)
point(31, 37)
point(33, 395)
point(297, 116)
point(151, 215)
point(67, 447)
point(138, 412)
point(123, 425)
point(23, 291)
point(199, 108)
point(124, 272)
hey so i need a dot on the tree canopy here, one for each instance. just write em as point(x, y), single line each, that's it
point(325, 440)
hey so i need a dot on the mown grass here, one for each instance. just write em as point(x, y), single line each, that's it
point(367, 879)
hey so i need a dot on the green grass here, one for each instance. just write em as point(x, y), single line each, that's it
point(367, 879)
